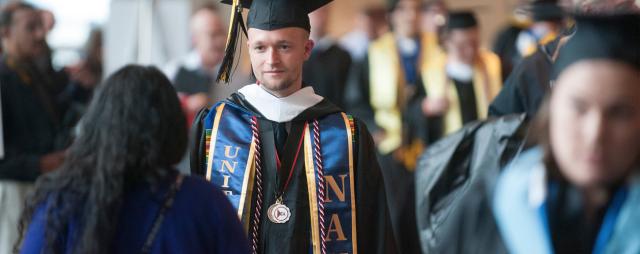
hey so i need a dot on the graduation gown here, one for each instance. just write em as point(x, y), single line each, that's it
point(527, 85)
point(327, 71)
point(372, 222)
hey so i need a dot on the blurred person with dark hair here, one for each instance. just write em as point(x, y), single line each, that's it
point(461, 81)
point(117, 191)
point(194, 75)
point(327, 69)
point(34, 138)
point(579, 191)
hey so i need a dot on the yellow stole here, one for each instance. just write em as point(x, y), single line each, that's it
point(487, 82)
point(386, 85)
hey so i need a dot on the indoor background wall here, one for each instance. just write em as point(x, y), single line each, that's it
point(492, 14)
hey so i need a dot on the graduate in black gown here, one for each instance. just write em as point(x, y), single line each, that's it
point(301, 174)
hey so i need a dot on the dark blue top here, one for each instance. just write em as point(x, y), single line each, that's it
point(201, 220)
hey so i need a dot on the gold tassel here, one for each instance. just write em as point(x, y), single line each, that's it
point(224, 74)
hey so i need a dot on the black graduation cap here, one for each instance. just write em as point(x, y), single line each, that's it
point(545, 10)
point(461, 20)
point(391, 5)
point(613, 37)
point(265, 15)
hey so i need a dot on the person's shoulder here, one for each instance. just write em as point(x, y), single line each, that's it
point(524, 163)
point(204, 191)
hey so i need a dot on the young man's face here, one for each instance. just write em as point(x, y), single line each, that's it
point(595, 122)
point(26, 36)
point(277, 57)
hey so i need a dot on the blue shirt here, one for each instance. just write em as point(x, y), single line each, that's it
point(201, 220)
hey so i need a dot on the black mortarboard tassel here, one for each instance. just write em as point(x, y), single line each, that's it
point(264, 15)
point(224, 73)
point(461, 20)
point(612, 37)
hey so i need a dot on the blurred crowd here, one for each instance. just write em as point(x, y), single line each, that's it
point(447, 117)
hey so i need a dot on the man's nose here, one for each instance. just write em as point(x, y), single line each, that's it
point(273, 57)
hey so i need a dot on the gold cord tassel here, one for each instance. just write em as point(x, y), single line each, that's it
point(224, 74)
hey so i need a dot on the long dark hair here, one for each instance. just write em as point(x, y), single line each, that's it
point(133, 131)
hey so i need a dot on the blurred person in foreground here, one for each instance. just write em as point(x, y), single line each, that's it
point(579, 192)
point(117, 191)
point(34, 137)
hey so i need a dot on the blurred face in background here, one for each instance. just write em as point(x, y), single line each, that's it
point(319, 20)
point(209, 37)
point(25, 36)
point(595, 122)
point(433, 17)
point(373, 21)
point(462, 45)
point(405, 18)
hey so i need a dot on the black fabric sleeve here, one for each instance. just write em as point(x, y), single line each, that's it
point(358, 94)
point(509, 99)
point(17, 163)
point(18, 166)
point(197, 144)
point(375, 234)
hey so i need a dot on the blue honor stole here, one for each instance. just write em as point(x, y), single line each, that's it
point(328, 162)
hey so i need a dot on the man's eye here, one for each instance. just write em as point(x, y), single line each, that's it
point(284, 47)
point(258, 48)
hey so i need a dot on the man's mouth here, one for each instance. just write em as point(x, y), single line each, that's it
point(273, 72)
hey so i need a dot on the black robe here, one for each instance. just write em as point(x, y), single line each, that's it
point(32, 118)
point(327, 70)
point(373, 223)
point(505, 47)
point(192, 81)
point(527, 85)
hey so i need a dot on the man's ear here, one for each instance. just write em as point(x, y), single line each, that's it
point(308, 46)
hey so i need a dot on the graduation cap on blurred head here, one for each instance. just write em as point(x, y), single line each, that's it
point(264, 15)
point(545, 10)
point(611, 37)
point(461, 20)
